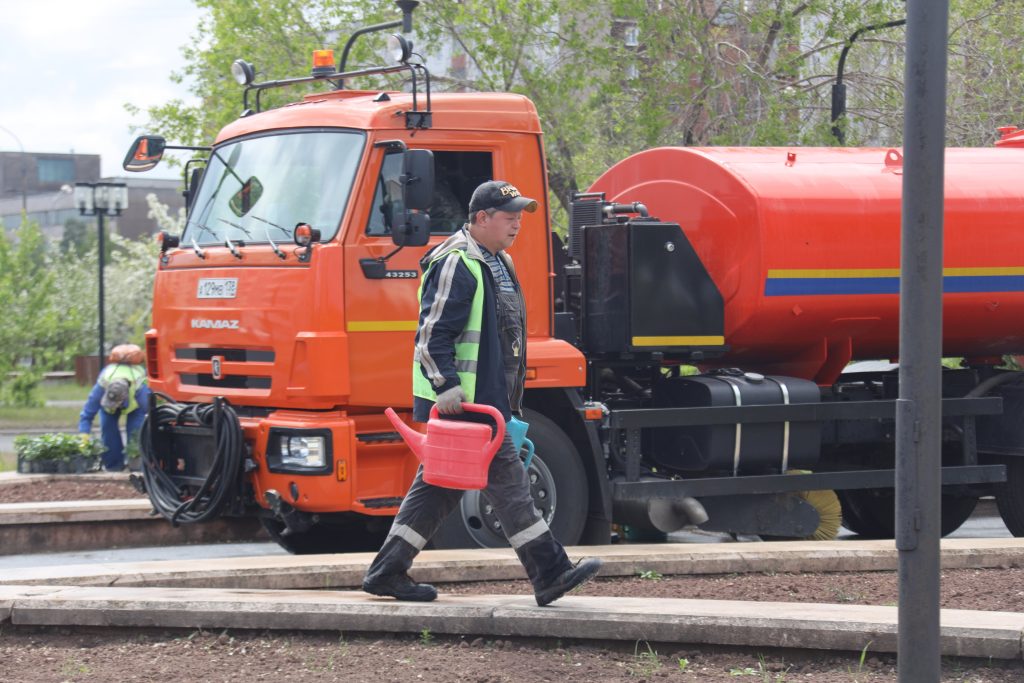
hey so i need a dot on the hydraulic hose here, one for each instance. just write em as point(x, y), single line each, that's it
point(174, 502)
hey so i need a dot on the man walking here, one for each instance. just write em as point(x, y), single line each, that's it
point(471, 347)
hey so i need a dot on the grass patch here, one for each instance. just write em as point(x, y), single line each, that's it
point(52, 417)
point(8, 462)
point(63, 391)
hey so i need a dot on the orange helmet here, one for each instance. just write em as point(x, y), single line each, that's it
point(129, 354)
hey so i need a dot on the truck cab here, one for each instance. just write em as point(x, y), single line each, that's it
point(309, 344)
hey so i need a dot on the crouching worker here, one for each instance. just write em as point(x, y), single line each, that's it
point(470, 347)
point(120, 389)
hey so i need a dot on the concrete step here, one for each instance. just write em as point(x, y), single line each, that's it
point(27, 528)
point(964, 633)
point(497, 564)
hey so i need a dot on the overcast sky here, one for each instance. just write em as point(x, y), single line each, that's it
point(68, 67)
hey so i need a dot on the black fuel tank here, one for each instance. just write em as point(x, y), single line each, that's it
point(736, 448)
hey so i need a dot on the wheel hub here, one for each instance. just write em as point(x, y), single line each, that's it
point(480, 520)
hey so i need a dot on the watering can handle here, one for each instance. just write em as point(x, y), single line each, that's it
point(499, 421)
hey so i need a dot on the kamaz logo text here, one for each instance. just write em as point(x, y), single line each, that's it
point(207, 324)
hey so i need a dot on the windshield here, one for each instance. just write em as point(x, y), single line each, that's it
point(258, 189)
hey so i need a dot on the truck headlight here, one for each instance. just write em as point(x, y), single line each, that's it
point(299, 451)
point(304, 451)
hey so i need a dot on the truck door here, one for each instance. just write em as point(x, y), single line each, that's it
point(380, 299)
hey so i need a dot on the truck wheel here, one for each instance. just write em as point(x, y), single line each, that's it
point(854, 519)
point(874, 512)
point(325, 538)
point(1010, 497)
point(558, 485)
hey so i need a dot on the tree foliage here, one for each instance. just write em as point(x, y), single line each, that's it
point(51, 299)
point(701, 72)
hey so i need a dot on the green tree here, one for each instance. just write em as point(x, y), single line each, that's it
point(27, 285)
point(78, 238)
point(701, 72)
point(276, 36)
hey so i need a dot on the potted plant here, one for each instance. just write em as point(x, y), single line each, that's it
point(57, 453)
point(133, 453)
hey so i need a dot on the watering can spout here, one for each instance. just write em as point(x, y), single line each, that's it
point(413, 439)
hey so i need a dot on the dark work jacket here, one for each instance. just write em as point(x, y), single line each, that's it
point(439, 339)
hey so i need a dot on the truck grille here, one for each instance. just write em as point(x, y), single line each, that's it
point(216, 355)
point(227, 382)
point(232, 355)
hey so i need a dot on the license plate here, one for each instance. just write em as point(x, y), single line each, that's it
point(217, 288)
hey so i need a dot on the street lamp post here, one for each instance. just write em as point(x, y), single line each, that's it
point(101, 199)
point(24, 197)
point(839, 88)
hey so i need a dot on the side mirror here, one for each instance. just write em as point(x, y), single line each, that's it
point(145, 153)
point(418, 179)
point(246, 197)
point(413, 229)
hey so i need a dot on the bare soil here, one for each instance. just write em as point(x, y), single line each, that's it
point(57, 655)
point(999, 590)
point(158, 656)
point(84, 488)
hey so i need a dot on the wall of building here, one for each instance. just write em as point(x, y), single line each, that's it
point(23, 174)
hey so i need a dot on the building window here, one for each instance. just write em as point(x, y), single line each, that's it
point(631, 35)
point(56, 170)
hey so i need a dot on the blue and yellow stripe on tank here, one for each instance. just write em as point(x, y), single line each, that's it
point(806, 282)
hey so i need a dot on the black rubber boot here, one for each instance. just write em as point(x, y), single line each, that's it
point(566, 581)
point(401, 587)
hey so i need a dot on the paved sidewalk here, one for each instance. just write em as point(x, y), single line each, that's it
point(265, 593)
point(497, 564)
point(964, 633)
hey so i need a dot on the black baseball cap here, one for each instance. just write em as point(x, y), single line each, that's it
point(497, 194)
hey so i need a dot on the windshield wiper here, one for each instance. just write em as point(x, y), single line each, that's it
point(199, 252)
point(280, 254)
point(205, 229)
point(237, 226)
point(290, 233)
point(234, 250)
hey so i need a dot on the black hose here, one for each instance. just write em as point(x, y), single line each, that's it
point(177, 503)
point(992, 382)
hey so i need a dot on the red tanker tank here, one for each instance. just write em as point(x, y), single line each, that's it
point(804, 245)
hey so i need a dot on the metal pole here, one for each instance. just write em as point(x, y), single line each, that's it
point(24, 194)
point(102, 248)
point(918, 419)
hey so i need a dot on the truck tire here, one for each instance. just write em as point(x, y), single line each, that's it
point(558, 484)
point(854, 519)
point(1010, 497)
point(874, 512)
point(325, 538)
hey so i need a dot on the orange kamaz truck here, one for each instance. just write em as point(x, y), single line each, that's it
point(284, 317)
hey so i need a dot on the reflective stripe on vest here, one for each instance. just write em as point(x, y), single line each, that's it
point(135, 374)
point(467, 344)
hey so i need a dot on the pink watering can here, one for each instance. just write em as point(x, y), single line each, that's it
point(455, 454)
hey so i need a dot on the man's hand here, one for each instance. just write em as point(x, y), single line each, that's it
point(450, 402)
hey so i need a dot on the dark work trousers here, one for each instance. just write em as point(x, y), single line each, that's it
point(508, 490)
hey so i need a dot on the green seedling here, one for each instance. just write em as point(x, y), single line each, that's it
point(651, 575)
point(426, 637)
point(646, 659)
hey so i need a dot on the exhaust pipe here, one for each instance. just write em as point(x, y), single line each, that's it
point(663, 514)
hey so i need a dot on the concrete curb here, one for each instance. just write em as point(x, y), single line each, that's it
point(27, 528)
point(964, 633)
point(440, 566)
point(20, 478)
